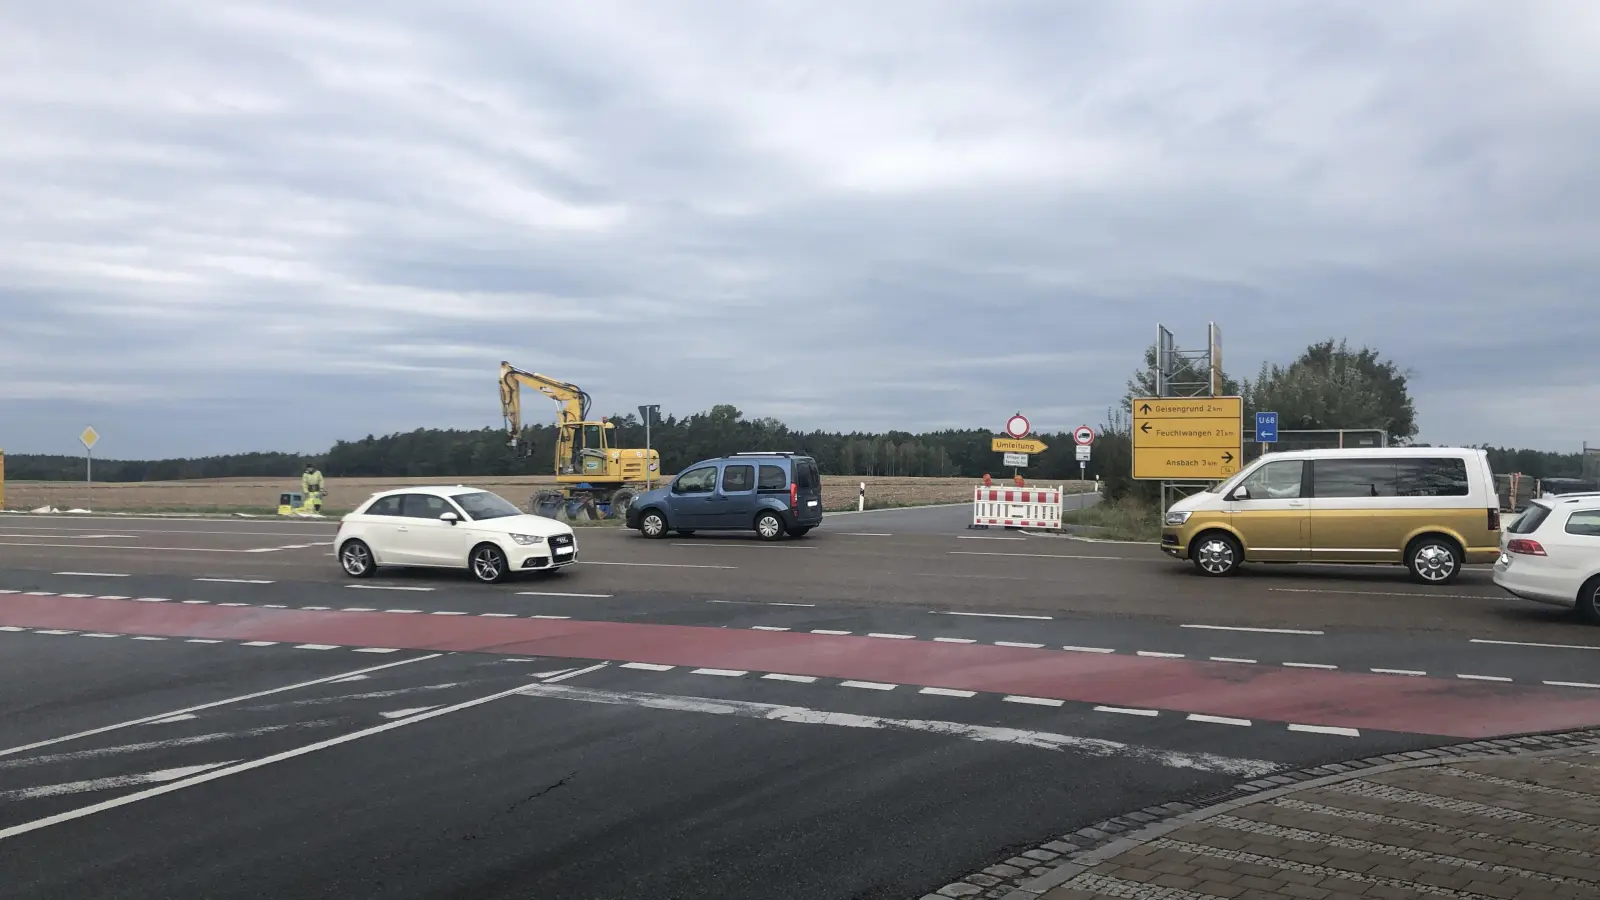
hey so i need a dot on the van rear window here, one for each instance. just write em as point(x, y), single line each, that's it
point(773, 478)
point(806, 474)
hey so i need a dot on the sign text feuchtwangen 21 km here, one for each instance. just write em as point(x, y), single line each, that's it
point(1188, 438)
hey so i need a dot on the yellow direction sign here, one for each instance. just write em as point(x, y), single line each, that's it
point(1187, 438)
point(1017, 445)
point(90, 437)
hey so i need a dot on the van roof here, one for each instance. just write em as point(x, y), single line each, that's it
point(1377, 451)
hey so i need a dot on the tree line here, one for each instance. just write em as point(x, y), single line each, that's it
point(1330, 385)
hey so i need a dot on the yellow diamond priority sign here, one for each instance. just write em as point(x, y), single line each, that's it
point(89, 438)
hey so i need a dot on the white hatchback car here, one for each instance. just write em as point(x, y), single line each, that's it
point(451, 527)
point(1551, 554)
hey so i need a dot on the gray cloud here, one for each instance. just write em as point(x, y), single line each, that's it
point(232, 226)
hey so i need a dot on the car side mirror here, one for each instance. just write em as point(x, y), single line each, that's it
point(449, 518)
point(1241, 493)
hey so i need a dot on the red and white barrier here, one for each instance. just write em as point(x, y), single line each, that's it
point(1017, 507)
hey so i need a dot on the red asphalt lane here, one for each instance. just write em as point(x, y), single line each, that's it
point(1344, 699)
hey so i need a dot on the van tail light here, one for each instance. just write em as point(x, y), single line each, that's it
point(794, 495)
point(1494, 520)
point(1525, 547)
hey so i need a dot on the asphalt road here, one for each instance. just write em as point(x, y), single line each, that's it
point(210, 709)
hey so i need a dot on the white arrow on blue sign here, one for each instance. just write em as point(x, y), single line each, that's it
point(1267, 427)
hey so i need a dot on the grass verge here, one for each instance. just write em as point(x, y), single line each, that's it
point(1125, 520)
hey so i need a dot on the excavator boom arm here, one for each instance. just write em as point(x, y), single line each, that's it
point(573, 400)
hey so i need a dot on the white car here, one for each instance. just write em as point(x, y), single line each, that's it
point(451, 527)
point(1551, 554)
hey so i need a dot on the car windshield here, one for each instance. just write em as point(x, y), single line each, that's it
point(483, 505)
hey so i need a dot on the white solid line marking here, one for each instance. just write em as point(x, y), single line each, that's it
point(946, 640)
point(443, 613)
point(403, 713)
point(142, 637)
point(1035, 701)
point(868, 685)
point(40, 594)
point(1157, 655)
point(387, 587)
point(1484, 677)
point(103, 784)
point(561, 594)
point(377, 649)
point(11, 628)
point(236, 580)
point(768, 628)
point(316, 646)
point(549, 617)
point(171, 719)
point(991, 615)
point(725, 673)
point(77, 596)
point(1232, 659)
point(648, 667)
point(1547, 646)
point(799, 715)
point(1089, 649)
point(1021, 644)
point(101, 597)
point(196, 602)
point(801, 679)
point(261, 644)
point(497, 615)
point(827, 631)
point(53, 631)
point(151, 600)
point(230, 769)
point(1122, 711)
point(233, 604)
point(11, 591)
point(215, 703)
point(94, 574)
point(1326, 729)
point(1253, 630)
point(107, 635)
point(1218, 720)
point(273, 606)
point(574, 673)
point(1412, 672)
point(202, 641)
point(406, 612)
point(354, 678)
point(1295, 665)
point(593, 562)
point(1572, 684)
point(947, 692)
point(777, 603)
point(319, 608)
point(983, 537)
point(892, 637)
point(358, 609)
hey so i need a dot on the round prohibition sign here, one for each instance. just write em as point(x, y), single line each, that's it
point(1083, 435)
point(1017, 426)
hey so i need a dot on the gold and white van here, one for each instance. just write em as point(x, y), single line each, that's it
point(1431, 509)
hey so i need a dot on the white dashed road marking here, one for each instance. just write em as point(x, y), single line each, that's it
point(1253, 630)
point(387, 587)
point(1326, 729)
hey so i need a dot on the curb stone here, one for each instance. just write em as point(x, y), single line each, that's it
point(1032, 872)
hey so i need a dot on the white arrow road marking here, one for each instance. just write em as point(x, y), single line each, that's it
point(102, 784)
point(1042, 740)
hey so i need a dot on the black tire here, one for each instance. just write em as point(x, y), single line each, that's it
point(800, 532)
point(488, 564)
point(653, 524)
point(548, 504)
point(1216, 554)
point(1433, 560)
point(769, 526)
point(620, 501)
point(356, 558)
point(1589, 601)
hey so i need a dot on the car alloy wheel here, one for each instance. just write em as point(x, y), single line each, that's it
point(356, 559)
point(487, 564)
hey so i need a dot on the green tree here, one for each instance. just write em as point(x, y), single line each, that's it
point(1331, 386)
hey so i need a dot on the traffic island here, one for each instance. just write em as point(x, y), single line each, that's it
point(1489, 820)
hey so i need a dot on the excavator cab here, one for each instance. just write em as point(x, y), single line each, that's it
point(589, 450)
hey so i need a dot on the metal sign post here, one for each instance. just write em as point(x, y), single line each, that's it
point(647, 413)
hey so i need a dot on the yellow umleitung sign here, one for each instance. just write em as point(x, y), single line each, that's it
point(1017, 445)
point(1187, 438)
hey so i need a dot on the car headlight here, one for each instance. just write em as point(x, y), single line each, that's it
point(527, 539)
point(1177, 518)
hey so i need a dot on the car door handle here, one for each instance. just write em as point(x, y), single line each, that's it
point(1297, 503)
point(401, 528)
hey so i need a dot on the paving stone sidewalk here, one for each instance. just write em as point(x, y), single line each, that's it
point(1521, 823)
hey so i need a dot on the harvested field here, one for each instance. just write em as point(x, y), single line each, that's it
point(260, 495)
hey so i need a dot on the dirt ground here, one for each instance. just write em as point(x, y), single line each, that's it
point(260, 495)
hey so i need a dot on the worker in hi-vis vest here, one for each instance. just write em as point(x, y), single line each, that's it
point(311, 487)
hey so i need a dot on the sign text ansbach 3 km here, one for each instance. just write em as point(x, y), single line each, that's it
point(1187, 438)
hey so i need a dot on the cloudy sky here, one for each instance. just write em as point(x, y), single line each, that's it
point(229, 226)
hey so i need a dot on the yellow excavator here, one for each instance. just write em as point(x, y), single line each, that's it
point(593, 477)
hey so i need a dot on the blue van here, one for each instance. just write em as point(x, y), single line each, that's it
point(772, 493)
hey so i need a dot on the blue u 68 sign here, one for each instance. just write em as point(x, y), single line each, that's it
point(1267, 427)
